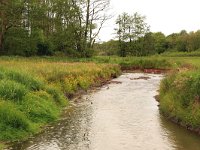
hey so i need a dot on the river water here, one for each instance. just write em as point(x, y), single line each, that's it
point(122, 115)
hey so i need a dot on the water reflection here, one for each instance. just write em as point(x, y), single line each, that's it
point(122, 117)
point(183, 139)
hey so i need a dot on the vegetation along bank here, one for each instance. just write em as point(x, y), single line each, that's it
point(180, 98)
point(34, 93)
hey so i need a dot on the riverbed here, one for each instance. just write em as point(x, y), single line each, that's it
point(122, 115)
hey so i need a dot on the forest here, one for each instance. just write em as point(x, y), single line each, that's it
point(70, 28)
point(39, 27)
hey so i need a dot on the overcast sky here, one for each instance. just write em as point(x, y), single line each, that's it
point(167, 16)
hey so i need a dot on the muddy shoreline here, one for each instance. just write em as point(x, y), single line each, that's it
point(151, 71)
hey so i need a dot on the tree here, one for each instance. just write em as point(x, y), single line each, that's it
point(172, 41)
point(94, 19)
point(160, 44)
point(69, 26)
point(147, 44)
point(130, 28)
point(107, 48)
point(10, 16)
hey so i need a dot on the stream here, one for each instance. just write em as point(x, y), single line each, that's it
point(122, 115)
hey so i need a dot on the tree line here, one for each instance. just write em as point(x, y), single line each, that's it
point(70, 27)
point(134, 38)
point(46, 27)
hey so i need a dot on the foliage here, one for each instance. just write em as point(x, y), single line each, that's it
point(135, 39)
point(183, 41)
point(129, 29)
point(107, 48)
point(35, 27)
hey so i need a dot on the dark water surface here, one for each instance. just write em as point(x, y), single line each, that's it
point(119, 116)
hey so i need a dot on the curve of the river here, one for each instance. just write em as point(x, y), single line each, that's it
point(122, 115)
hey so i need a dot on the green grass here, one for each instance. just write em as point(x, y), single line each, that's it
point(179, 91)
point(23, 107)
point(33, 93)
point(182, 54)
point(2, 146)
point(180, 97)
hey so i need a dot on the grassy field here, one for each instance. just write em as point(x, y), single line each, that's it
point(34, 92)
point(126, 62)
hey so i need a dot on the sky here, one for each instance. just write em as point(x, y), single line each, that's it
point(167, 16)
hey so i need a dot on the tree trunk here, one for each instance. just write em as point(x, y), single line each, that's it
point(1, 42)
point(2, 16)
point(87, 24)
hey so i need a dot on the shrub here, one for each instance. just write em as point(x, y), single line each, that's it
point(44, 48)
point(18, 42)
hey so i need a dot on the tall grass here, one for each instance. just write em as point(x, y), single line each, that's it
point(180, 97)
point(34, 92)
point(182, 54)
point(158, 62)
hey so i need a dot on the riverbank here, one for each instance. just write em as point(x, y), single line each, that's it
point(104, 118)
point(180, 98)
point(34, 94)
point(179, 91)
point(36, 89)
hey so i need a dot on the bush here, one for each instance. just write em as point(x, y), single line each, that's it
point(44, 48)
point(18, 42)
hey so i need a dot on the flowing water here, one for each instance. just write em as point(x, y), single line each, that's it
point(122, 115)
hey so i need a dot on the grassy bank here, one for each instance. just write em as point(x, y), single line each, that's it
point(180, 97)
point(33, 93)
point(179, 92)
